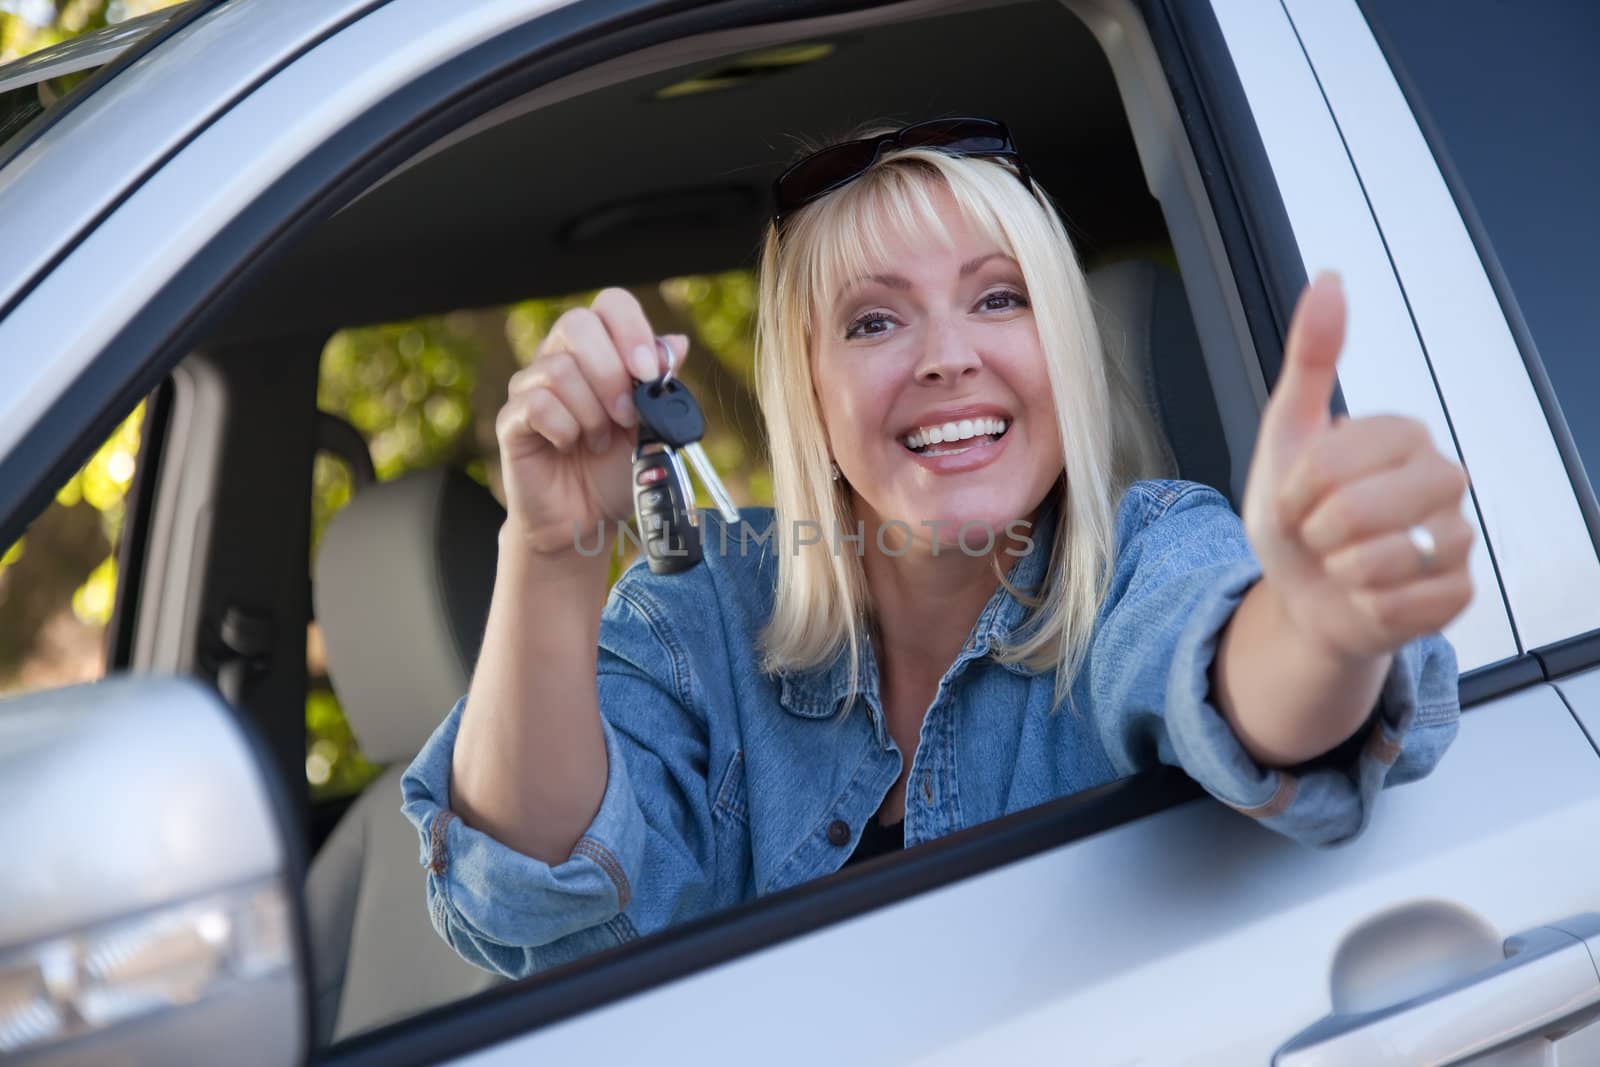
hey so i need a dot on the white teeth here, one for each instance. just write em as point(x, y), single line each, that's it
point(986, 426)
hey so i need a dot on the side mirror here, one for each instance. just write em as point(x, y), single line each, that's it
point(148, 912)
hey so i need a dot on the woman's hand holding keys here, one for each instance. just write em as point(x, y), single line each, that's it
point(568, 426)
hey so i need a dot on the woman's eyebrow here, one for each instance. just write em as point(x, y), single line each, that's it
point(895, 281)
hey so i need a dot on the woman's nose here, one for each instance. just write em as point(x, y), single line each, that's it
point(947, 355)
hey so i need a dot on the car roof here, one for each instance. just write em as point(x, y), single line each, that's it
point(608, 186)
point(634, 180)
point(61, 183)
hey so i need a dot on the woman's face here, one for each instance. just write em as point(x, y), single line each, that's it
point(917, 367)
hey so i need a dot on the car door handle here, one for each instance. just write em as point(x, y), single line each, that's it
point(1549, 975)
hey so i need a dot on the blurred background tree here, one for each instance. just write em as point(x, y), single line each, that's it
point(423, 393)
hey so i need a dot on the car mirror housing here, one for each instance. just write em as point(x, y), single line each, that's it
point(151, 908)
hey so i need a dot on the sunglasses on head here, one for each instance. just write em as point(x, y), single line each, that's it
point(823, 171)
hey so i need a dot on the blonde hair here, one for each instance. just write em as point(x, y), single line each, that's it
point(1108, 438)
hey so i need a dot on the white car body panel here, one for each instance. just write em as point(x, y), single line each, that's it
point(1138, 946)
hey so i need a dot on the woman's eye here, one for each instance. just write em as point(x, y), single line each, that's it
point(1003, 300)
point(871, 324)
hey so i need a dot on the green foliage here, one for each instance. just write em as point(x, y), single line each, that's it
point(408, 388)
point(334, 764)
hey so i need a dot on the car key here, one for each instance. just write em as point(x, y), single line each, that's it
point(669, 527)
point(670, 422)
point(676, 420)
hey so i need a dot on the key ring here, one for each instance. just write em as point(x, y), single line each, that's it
point(666, 350)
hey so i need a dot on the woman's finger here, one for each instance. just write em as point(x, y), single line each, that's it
point(532, 416)
point(1422, 607)
point(570, 385)
point(609, 373)
point(1393, 559)
point(624, 320)
point(529, 377)
point(1349, 450)
point(1382, 502)
point(590, 339)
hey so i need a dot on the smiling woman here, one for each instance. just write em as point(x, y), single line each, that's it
point(925, 299)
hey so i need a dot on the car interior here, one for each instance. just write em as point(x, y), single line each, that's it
point(648, 168)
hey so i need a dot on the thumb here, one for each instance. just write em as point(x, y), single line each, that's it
point(1300, 402)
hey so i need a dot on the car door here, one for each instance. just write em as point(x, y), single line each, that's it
point(1137, 923)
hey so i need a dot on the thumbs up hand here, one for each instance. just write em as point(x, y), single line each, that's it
point(1357, 522)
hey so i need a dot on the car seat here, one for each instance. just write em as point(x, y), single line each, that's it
point(403, 579)
point(1145, 324)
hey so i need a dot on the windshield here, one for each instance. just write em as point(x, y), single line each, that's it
point(48, 47)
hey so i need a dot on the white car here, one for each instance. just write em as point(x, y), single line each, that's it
point(243, 178)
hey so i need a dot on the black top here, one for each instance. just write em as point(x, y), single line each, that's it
point(877, 840)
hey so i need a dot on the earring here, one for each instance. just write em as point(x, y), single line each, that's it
point(835, 467)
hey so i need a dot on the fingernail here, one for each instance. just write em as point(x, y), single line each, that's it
point(646, 363)
point(623, 411)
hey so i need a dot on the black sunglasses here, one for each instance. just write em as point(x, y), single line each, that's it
point(826, 170)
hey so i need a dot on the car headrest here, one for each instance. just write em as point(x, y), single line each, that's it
point(402, 584)
point(1145, 324)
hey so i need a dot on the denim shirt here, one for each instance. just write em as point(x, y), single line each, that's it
point(726, 783)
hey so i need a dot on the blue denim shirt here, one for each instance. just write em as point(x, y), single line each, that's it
point(724, 782)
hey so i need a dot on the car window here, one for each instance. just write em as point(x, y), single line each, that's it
point(58, 582)
point(1506, 93)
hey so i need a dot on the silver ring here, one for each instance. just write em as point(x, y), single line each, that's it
point(1426, 548)
point(666, 352)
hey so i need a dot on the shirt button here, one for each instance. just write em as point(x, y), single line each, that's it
point(839, 832)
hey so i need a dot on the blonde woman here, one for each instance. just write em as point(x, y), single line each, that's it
point(963, 604)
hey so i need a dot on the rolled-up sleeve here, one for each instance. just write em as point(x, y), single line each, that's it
point(510, 913)
point(1183, 571)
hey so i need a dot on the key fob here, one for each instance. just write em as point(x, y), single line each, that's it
point(669, 412)
point(669, 534)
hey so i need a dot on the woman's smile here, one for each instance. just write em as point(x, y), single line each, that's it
point(958, 440)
